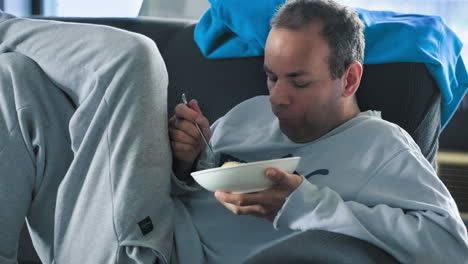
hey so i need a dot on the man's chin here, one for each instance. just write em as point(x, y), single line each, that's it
point(297, 135)
point(292, 134)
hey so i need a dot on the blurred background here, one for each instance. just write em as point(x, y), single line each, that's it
point(453, 151)
point(454, 139)
point(452, 11)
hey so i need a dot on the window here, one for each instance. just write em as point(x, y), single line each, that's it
point(92, 8)
point(452, 11)
point(191, 9)
point(17, 7)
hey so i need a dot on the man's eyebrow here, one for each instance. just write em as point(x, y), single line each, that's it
point(290, 75)
point(266, 69)
point(297, 74)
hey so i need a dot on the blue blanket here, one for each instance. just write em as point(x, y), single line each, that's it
point(239, 28)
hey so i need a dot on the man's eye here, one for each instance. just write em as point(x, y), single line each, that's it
point(301, 85)
point(272, 78)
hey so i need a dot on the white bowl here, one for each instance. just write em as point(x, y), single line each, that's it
point(244, 177)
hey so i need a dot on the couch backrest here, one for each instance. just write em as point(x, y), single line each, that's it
point(405, 92)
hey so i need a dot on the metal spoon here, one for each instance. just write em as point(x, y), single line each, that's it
point(184, 100)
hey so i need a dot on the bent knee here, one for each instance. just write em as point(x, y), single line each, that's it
point(124, 44)
point(141, 50)
point(141, 46)
point(138, 53)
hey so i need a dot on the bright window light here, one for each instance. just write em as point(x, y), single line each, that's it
point(98, 8)
point(453, 12)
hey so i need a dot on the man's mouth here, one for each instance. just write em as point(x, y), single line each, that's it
point(285, 119)
point(282, 116)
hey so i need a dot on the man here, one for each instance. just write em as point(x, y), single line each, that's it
point(84, 151)
point(359, 175)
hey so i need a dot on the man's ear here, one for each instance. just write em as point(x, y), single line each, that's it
point(352, 79)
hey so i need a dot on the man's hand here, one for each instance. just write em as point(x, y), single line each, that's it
point(264, 204)
point(186, 141)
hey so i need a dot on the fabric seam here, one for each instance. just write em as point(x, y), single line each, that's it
point(110, 172)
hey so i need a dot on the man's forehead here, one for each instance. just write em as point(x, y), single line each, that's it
point(299, 40)
point(316, 26)
point(295, 53)
point(291, 73)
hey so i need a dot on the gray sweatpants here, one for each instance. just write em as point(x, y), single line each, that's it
point(84, 152)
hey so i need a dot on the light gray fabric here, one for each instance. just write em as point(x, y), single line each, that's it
point(320, 247)
point(366, 179)
point(32, 164)
point(101, 152)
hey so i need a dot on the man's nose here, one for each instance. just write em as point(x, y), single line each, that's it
point(279, 94)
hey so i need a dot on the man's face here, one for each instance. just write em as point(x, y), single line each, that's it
point(303, 96)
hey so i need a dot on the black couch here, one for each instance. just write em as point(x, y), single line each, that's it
point(404, 92)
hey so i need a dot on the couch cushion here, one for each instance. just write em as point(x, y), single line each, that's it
point(218, 84)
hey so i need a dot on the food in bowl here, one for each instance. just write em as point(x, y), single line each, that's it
point(243, 177)
point(230, 163)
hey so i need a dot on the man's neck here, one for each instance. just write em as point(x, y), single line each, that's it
point(347, 113)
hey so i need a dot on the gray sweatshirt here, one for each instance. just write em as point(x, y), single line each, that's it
point(366, 178)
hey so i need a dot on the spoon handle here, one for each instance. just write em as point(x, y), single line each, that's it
point(184, 100)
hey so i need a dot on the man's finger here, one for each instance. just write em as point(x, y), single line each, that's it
point(254, 210)
point(193, 114)
point(189, 128)
point(201, 120)
point(194, 105)
point(276, 175)
point(172, 121)
point(204, 124)
point(245, 199)
point(183, 111)
point(182, 137)
point(181, 147)
point(282, 178)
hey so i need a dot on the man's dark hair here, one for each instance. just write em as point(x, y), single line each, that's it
point(342, 28)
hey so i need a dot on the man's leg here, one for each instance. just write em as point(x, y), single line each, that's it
point(114, 201)
point(35, 153)
point(318, 246)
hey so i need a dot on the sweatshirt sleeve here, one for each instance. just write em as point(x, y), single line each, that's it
point(404, 209)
